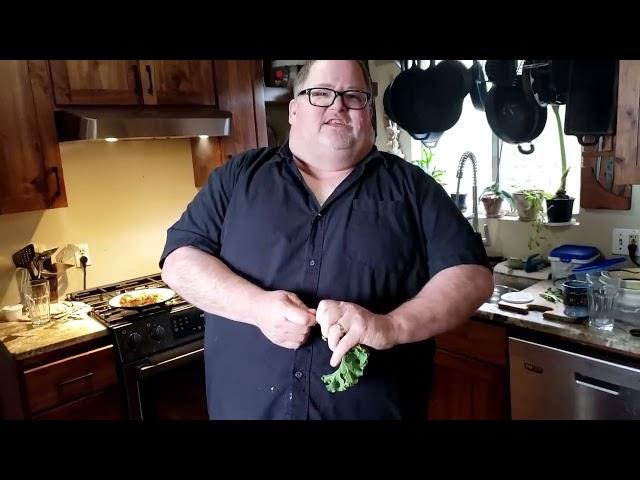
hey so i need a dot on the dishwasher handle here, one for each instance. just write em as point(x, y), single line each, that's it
point(596, 384)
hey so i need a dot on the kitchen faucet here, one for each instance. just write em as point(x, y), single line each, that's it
point(470, 156)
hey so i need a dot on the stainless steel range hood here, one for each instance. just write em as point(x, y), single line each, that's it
point(105, 122)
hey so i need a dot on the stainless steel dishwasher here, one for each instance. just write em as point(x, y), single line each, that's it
point(548, 383)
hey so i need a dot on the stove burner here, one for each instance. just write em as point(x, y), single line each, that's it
point(99, 297)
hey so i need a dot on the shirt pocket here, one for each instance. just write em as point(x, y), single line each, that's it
point(381, 234)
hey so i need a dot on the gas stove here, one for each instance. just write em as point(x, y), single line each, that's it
point(142, 332)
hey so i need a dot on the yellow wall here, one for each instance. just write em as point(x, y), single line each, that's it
point(122, 198)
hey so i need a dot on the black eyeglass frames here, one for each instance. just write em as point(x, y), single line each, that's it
point(324, 97)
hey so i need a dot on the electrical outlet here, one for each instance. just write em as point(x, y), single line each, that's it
point(83, 249)
point(622, 237)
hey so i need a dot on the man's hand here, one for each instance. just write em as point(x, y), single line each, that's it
point(286, 320)
point(346, 325)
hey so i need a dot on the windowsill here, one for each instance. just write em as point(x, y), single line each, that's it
point(507, 218)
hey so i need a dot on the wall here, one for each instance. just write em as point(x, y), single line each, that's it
point(122, 198)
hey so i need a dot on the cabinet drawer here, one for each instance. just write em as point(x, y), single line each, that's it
point(70, 378)
point(477, 340)
point(101, 405)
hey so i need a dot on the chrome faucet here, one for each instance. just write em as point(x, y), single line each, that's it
point(463, 160)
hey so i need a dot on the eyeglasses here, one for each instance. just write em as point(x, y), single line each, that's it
point(324, 97)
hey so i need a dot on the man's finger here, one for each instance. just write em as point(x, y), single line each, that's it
point(347, 342)
point(299, 316)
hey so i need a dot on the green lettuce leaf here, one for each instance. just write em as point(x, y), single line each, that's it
point(350, 370)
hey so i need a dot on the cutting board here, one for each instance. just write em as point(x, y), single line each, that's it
point(551, 311)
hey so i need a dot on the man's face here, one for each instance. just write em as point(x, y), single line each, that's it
point(335, 127)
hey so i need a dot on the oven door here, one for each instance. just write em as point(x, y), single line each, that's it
point(169, 385)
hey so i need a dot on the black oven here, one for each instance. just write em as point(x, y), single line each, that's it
point(159, 351)
point(168, 386)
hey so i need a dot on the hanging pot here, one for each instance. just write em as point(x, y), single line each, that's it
point(419, 102)
point(478, 86)
point(591, 100)
point(514, 116)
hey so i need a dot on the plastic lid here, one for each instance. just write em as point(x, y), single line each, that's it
point(566, 253)
point(598, 265)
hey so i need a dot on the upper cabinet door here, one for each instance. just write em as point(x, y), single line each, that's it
point(96, 82)
point(30, 167)
point(627, 149)
point(177, 82)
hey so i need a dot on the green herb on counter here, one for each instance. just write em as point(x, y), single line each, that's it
point(552, 295)
point(350, 370)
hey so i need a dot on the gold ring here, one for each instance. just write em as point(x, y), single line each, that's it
point(341, 328)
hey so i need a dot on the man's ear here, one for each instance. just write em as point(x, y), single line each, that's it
point(293, 109)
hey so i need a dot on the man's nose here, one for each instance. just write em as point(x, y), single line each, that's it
point(338, 103)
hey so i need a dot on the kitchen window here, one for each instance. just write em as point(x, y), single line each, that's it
point(541, 169)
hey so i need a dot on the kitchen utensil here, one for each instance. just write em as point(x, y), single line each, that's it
point(12, 313)
point(24, 258)
point(144, 298)
point(514, 116)
point(478, 86)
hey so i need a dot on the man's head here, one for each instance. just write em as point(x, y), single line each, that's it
point(328, 125)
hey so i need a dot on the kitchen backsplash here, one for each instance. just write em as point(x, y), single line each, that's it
point(122, 198)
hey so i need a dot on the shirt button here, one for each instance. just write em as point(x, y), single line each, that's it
point(312, 263)
point(298, 374)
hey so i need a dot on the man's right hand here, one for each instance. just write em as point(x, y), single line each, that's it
point(285, 319)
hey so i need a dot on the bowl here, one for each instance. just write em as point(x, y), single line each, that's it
point(12, 313)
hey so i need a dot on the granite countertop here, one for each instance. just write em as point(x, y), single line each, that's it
point(24, 340)
point(619, 340)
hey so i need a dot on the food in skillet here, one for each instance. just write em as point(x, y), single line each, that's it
point(129, 300)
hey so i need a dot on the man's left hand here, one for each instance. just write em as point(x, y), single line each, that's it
point(346, 325)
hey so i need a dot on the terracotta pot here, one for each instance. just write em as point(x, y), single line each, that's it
point(492, 206)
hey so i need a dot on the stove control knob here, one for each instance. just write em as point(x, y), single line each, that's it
point(134, 340)
point(157, 332)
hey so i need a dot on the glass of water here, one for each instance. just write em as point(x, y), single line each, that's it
point(38, 299)
point(602, 301)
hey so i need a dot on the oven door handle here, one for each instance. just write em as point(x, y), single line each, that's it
point(150, 369)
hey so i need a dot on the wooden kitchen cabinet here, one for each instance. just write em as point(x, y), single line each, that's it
point(470, 380)
point(240, 89)
point(77, 384)
point(627, 153)
point(133, 82)
point(31, 176)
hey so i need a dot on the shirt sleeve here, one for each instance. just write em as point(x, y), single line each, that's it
point(450, 238)
point(200, 225)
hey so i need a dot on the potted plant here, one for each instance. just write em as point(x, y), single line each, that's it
point(560, 206)
point(426, 163)
point(492, 198)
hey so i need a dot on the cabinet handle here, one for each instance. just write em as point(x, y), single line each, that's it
point(81, 377)
point(148, 69)
point(138, 80)
point(54, 170)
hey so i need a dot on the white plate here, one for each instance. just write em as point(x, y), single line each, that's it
point(163, 294)
point(517, 297)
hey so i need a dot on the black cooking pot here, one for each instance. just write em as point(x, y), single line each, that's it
point(478, 86)
point(514, 116)
point(423, 101)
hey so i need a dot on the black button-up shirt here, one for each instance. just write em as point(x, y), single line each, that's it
point(384, 231)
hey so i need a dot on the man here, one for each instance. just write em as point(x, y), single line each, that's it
point(327, 231)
